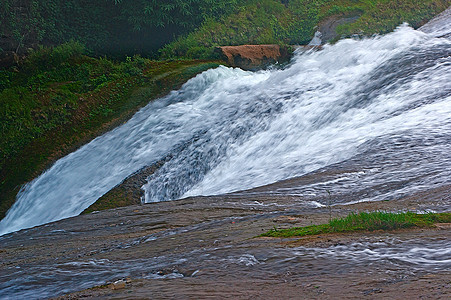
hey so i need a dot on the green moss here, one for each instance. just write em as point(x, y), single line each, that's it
point(114, 199)
point(366, 222)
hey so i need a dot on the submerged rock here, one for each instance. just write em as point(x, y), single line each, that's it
point(328, 27)
point(316, 41)
point(117, 285)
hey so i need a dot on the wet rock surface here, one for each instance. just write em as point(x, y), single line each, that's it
point(207, 246)
point(253, 57)
point(328, 27)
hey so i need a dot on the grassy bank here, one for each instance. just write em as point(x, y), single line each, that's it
point(366, 222)
point(59, 99)
point(273, 22)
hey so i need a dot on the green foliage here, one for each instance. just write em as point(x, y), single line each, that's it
point(366, 221)
point(248, 25)
point(383, 16)
point(269, 21)
point(5, 79)
point(183, 13)
point(44, 93)
point(52, 57)
point(29, 23)
point(105, 26)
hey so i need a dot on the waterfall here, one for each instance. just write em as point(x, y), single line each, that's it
point(228, 130)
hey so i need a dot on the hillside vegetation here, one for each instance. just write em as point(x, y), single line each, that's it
point(113, 27)
point(271, 22)
point(124, 27)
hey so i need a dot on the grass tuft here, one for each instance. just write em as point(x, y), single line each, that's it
point(365, 221)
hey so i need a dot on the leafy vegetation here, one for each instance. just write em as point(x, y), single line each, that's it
point(58, 99)
point(184, 13)
point(366, 221)
point(106, 26)
point(25, 24)
point(383, 16)
point(121, 27)
point(269, 22)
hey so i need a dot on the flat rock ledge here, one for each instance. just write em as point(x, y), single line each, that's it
point(254, 57)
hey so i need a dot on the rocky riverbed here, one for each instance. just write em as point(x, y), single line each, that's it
point(208, 247)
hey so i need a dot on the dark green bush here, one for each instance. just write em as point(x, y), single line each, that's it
point(105, 26)
point(52, 57)
point(5, 80)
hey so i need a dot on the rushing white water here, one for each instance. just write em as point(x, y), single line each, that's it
point(228, 130)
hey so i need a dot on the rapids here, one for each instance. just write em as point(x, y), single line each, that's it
point(226, 130)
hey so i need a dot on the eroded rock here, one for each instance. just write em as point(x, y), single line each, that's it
point(252, 57)
point(117, 285)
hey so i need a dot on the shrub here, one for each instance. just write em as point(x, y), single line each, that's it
point(52, 57)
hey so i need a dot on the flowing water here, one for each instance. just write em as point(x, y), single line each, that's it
point(390, 256)
point(379, 106)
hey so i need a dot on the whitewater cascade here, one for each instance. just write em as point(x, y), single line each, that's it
point(228, 130)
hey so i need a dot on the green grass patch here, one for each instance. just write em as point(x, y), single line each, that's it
point(365, 222)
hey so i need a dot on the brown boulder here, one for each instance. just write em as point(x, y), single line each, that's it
point(117, 285)
point(252, 57)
